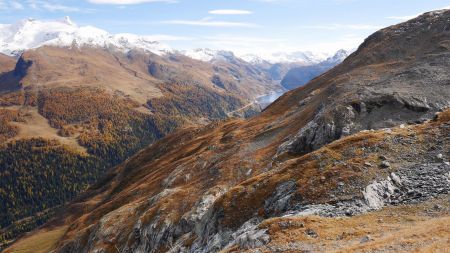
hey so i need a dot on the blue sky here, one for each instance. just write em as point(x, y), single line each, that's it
point(243, 26)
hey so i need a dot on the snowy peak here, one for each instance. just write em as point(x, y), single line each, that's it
point(209, 55)
point(201, 54)
point(305, 58)
point(30, 33)
point(301, 58)
point(338, 57)
point(254, 59)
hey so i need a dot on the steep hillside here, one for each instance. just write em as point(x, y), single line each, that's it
point(68, 114)
point(308, 174)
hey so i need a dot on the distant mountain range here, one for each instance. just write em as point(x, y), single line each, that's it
point(301, 75)
point(31, 33)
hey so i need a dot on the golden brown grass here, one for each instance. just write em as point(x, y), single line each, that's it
point(34, 125)
point(414, 228)
point(42, 242)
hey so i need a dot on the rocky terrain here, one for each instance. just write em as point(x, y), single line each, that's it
point(356, 160)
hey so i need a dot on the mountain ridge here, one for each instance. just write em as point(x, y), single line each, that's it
point(32, 33)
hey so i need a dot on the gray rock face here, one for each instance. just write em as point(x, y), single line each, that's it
point(408, 185)
point(334, 122)
point(282, 199)
point(415, 184)
point(320, 131)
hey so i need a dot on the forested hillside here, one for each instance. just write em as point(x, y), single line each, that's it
point(61, 131)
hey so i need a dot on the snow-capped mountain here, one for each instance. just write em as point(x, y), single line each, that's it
point(301, 58)
point(338, 57)
point(209, 55)
point(201, 54)
point(30, 33)
point(307, 57)
point(254, 59)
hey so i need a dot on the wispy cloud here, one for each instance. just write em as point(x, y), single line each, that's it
point(343, 27)
point(127, 2)
point(42, 5)
point(211, 23)
point(11, 5)
point(53, 7)
point(16, 5)
point(230, 12)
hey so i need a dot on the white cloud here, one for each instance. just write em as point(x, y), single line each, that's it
point(51, 6)
point(211, 23)
point(16, 5)
point(343, 27)
point(126, 2)
point(11, 5)
point(230, 12)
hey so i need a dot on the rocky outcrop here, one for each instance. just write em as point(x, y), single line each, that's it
point(334, 122)
point(320, 131)
point(410, 185)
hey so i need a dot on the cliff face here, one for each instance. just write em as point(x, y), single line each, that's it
point(268, 183)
